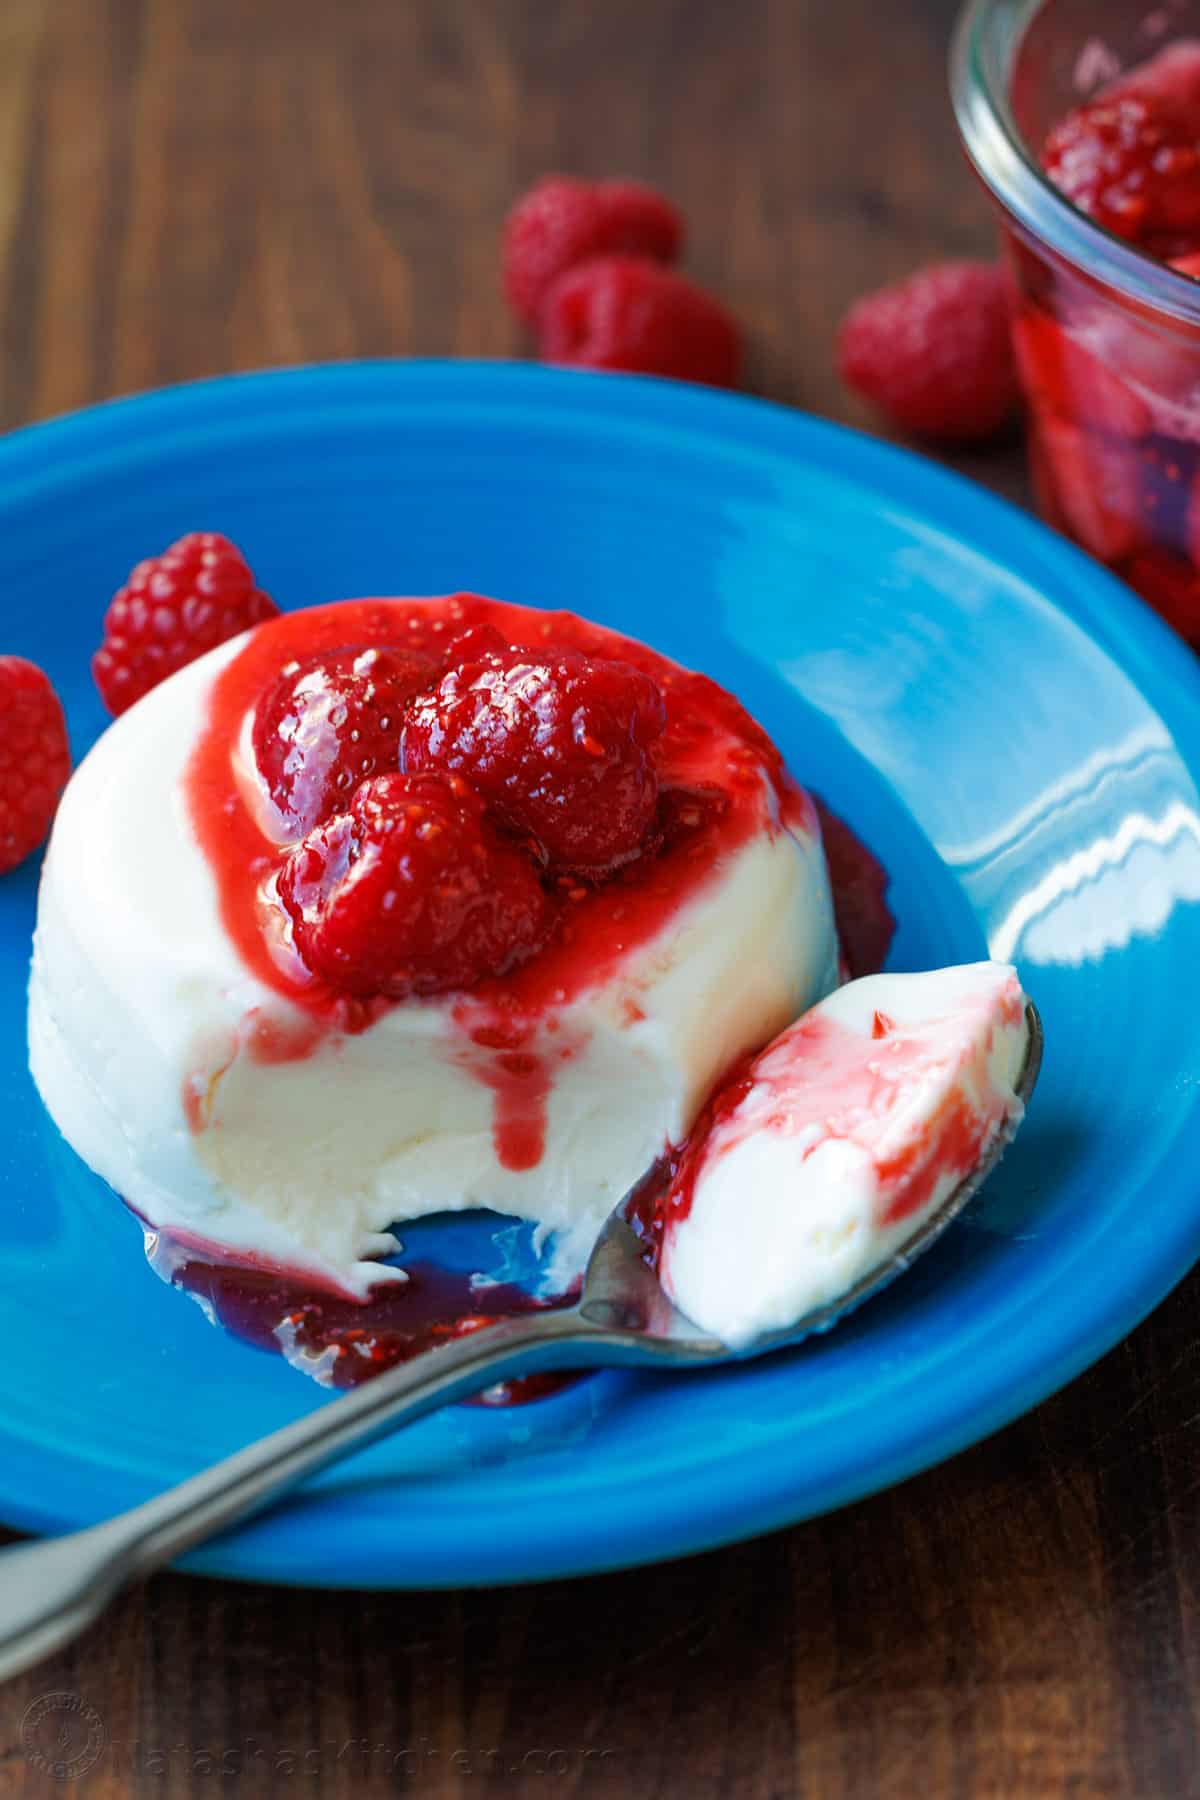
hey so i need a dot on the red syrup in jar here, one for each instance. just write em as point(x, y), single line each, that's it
point(1112, 381)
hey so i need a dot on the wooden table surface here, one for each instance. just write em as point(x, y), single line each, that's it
point(190, 186)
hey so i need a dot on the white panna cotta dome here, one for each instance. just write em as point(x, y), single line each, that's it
point(204, 1091)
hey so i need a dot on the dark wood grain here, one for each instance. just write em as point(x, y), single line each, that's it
point(189, 186)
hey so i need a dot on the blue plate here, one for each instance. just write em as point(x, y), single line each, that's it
point(1012, 731)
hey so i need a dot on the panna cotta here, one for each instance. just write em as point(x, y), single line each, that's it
point(823, 1156)
point(395, 907)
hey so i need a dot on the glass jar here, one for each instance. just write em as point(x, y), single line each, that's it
point(1107, 338)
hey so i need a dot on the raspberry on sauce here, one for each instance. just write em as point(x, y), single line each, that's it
point(411, 891)
point(330, 722)
point(556, 742)
point(610, 784)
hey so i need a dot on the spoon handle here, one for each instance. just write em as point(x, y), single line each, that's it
point(51, 1589)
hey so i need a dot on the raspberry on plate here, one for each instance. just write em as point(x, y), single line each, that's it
point(411, 891)
point(172, 609)
point(330, 722)
point(933, 351)
point(562, 221)
point(35, 760)
point(626, 312)
point(556, 742)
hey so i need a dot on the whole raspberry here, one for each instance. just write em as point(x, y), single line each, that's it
point(933, 351)
point(561, 222)
point(556, 742)
point(330, 722)
point(34, 758)
point(1130, 158)
point(624, 312)
point(411, 891)
point(172, 609)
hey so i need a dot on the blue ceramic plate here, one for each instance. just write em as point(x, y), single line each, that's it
point(1013, 733)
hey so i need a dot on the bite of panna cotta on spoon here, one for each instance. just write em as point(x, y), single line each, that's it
point(821, 1158)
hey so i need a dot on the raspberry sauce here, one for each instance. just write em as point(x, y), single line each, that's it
point(340, 1341)
point(865, 926)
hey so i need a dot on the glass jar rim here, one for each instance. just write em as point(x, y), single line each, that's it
point(986, 36)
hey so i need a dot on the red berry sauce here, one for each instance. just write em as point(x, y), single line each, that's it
point(341, 1341)
point(865, 926)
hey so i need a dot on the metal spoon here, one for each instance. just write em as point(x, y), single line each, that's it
point(50, 1590)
